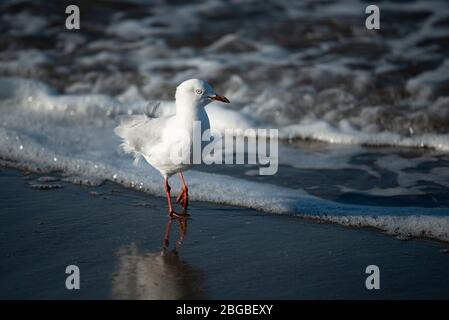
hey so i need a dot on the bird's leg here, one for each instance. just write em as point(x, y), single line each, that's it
point(171, 212)
point(183, 197)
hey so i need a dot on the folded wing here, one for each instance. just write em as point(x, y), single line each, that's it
point(139, 133)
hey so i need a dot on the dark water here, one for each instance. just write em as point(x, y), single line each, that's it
point(115, 235)
point(389, 177)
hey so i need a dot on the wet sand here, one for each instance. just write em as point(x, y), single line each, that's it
point(115, 236)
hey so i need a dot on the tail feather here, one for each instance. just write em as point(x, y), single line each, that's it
point(130, 144)
point(126, 148)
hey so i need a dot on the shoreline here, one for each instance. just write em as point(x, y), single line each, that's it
point(315, 218)
point(115, 236)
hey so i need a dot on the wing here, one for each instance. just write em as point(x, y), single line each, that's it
point(138, 132)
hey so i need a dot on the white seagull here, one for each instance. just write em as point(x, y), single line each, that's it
point(158, 139)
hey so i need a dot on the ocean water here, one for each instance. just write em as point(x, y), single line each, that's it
point(363, 115)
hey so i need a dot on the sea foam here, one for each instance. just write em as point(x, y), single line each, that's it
point(43, 131)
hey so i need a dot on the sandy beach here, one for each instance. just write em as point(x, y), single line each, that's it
point(115, 235)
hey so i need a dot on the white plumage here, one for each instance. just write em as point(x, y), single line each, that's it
point(158, 139)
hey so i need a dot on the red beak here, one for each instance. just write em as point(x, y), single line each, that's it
point(219, 98)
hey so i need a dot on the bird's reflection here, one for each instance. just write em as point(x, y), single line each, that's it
point(161, 275)
point(182, 226)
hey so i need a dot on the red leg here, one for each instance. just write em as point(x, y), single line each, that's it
point(183, 197)
point(171, 212)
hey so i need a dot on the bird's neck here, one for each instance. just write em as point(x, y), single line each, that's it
point(190, 111)
point(187, 114)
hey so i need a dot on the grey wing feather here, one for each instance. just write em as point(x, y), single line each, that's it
point(153, 109)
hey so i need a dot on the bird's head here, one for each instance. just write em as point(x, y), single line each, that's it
point(197, 92)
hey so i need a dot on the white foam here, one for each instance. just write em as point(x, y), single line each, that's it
point(24, 23)
point(423, 85)
point(25, 62)
point(403, 227)
point(322, 80)
point(74, 134)
point(345, 134)
point(129, 29)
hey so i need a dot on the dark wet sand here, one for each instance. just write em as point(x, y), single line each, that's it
point(115, 237)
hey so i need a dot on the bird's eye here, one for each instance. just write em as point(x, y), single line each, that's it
point(199, 91)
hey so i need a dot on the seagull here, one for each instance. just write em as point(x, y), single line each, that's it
point(157, 139)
